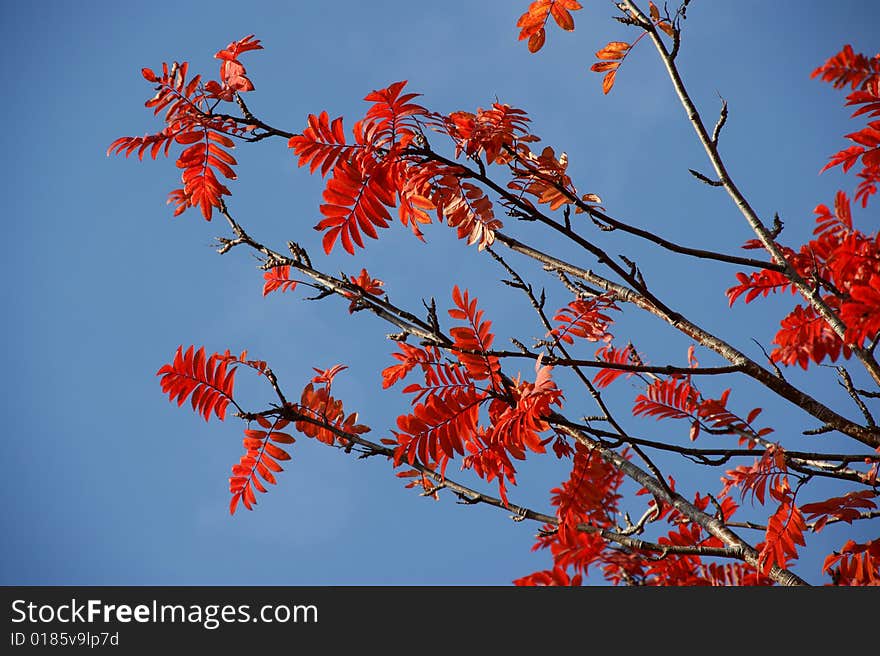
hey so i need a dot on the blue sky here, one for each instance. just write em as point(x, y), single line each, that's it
point(107, 483)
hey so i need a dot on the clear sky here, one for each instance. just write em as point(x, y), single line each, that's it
point(106, 482)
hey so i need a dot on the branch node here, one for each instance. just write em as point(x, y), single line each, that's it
point(777, 227)
point(518, 344)
point(722, 119)
point(702, 178)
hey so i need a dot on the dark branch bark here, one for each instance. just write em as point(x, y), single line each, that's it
point(866, 435)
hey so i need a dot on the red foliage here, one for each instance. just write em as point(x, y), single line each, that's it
point(862, 74)
point(770, 469)
point(846, 508)
point(544, 177)
point(552, 577)
point(856, 564)
point(609, 353)
point(369, 285)
point(495, 132)
point(463, 205)
point(322, 144)
point(278, 278)
point(189, 122)
point(518, 426)
point(591, 492)
point(322, 416)
point(847, 261)
point(474, 341)
point(668, 399)
point(260, 461)
point(462, 404)
point(785, 532)
point(848, 68)
point(840, 260)
point(533, 22)
point(677, 398)
point(585, 319)
point(208, 381)
point(612, 56)
point(232, 72)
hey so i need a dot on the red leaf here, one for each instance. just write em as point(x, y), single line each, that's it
point(585, 319)
point(532, 24)
point(369, 285)
point(278, 278)
point(667, 399)
point(784, 534)
point(848, 68)
point(610, 353)
point(358, 195)
point(612, 55)
point(205, 380)
point(322, 144)
point(474, 341)
point(846, 508)
point(536, 41)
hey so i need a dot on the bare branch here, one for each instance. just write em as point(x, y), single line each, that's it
point(722, 119)
point(847, 383)
point(702, 178)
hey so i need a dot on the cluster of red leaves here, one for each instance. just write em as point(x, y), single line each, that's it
point(209, 381)
point(691, 569)
point(189, 122)
point(383, 168)
point(260, 461)
point(591, 493)
point(364, 175)
point(590, 499)
point(463, 205)
point(445, 420)
point(367, 285)
point(768, 475)
point(846, 261)
point(612, 56)
point(544, 177)
point(233, 78)
point(846, 508)
point(493, 132)
point(862, 75)
point(843, 262)
point(590, 496)
point(615, 355)
point(533, 22)
point(323, 417)
point(770, 469)
point(855, 564)
point(677, 397)
point(585, 319)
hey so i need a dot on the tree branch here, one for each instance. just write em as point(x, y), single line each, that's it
point(809, 292)
point(866, 435)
